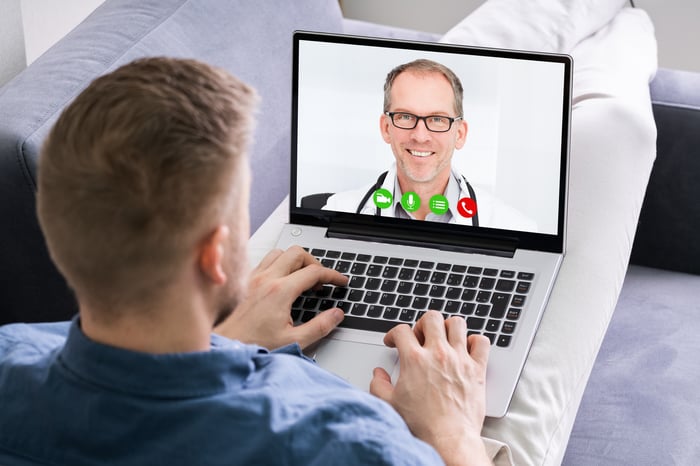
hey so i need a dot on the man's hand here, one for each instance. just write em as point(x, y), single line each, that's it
point(264, 316)
point(440, 391)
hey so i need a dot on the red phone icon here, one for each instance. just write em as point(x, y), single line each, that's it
point(466, 207)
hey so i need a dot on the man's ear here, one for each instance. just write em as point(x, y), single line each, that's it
point(211, 255)
point(384, 128)
point(462, 130)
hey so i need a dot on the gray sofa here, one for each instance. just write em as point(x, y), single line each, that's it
point(645, 412)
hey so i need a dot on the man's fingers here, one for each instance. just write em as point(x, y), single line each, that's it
point(318, 327)
point(456, 332)
point(311, 275)
point(479, 347)
point(430, 328)
point(381, 386)
point(291, 260)
point(269, 258)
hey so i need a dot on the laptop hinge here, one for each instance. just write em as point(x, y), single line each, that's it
point(445, 241)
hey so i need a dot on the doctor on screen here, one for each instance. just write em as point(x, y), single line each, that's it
point(423, 122)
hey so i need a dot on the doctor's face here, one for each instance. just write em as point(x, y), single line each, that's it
point(422, 156)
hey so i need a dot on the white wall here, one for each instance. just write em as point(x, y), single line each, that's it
point(12, 59)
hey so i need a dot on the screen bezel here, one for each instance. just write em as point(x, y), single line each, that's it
point(468, 234)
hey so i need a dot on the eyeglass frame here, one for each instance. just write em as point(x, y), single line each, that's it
point(425, 120)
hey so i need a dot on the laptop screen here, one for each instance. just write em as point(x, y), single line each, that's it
point(461, 139)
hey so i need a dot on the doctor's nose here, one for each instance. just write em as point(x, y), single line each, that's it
point(421, 132)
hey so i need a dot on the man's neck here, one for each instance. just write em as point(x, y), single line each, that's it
point(156, 330)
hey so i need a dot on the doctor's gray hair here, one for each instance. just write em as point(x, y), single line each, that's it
point(426, 66)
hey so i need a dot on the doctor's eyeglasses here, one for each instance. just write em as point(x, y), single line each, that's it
point(434, 123)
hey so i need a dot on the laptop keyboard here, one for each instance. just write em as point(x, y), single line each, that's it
point(386, 291)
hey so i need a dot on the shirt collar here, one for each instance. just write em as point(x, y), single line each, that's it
point(228, 364)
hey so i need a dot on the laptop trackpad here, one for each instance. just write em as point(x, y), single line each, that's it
point(355, 361)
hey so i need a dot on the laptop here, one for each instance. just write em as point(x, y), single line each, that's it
point(490, 246)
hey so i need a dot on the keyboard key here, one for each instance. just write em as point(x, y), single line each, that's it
point(474, 270)
point(356, 295)
point(343, 266)
point(452, 306)
point(508, 327)
point(330, 263)
point(421, 289)
point(296, 313)
point(333, 254)
point(357, 282)
point(410, 263)
point(518, 301)
point(455, 279)
point(453, 293)
point(406, 274)
point(348, 256)
point(507, 273)
point(344, 305)
point(380, 259)
point(471, 281)
point(324, 292)
point(375, 311)
point(526, 276)
point(326, 304)
point(339, 293)
point(389, 285)
point(490, 272)
point(523, 287)
point(493, 325)
point(390, 272)
point(407, 315)
point(419, 303)
point(395, 261)
point(438, 277)
point(487, 283)
point(483, 297)
point(387, 299)
point(436, 304)
point(310, 303)
point(436, 291)
point(307, 316)
point(443, 266)
point(503, 341)
point(505, 285)
point(482, 309)
point(475, 323)
point(363, 257)
point(404, 300)
point(373, 283)
point(422, 276)
point(459, 268)
point(358, 268)
point(318, 252)
point(391, 313)
point(404, 287)
point(371, 297)
point(358, 309)
point(467, 309)
point(491, 337)
point(374, 270)
point(513, 314)
point(468, 295)
point(499, 303)
point(426, 264)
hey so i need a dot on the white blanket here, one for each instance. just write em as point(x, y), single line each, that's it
point(613, 146)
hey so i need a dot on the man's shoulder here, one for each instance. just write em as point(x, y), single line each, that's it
point(31, 339)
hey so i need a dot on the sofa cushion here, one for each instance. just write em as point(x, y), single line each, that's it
point(250, 39)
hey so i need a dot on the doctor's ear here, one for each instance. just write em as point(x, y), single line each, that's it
point(384, 123)
point(462, 130)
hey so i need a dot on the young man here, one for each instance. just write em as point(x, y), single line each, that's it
point(143, 194)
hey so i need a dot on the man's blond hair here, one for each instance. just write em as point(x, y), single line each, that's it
point(135, 170)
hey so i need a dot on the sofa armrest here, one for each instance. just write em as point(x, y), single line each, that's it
point(670, 216)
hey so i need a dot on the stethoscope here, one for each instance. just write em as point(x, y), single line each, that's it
point(463, 183)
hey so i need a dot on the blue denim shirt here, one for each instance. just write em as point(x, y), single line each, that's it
point(67, 400)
